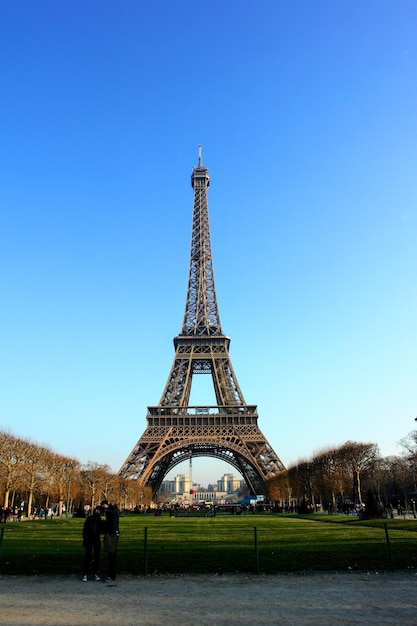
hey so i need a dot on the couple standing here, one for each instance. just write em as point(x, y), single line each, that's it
point(94, 527)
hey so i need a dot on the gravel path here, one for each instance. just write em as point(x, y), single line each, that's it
point(333, 598)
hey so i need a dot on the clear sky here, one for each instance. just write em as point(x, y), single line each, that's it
point(306, 112)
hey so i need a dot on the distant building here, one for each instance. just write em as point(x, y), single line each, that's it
point(181, 486)
point(229, 483)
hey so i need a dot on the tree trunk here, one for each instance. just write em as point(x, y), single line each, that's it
point(358, 485)
point(30, 498)
point(60, 503)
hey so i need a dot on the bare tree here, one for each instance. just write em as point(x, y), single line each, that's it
point(94, 477)
point(59, 468)
point(359, 458)
point(11, 456)
point(110, 485)
point(301, 482)
point(33, 466)
point(277, 488)
point(328, 474)
point(409, 443)
point(380, 479)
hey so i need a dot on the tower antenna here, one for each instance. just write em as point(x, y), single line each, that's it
point(200, 156)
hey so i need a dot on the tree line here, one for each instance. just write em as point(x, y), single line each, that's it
point(337, 479)
point(34, 476)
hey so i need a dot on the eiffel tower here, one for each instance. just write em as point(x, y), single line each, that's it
point(176, 431)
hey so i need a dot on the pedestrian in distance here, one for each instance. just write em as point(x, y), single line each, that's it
point(111, 536)
point(92, 529)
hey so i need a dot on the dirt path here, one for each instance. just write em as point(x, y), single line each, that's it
point(206, 600)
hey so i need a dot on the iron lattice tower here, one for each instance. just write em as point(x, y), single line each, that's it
point(176, 431)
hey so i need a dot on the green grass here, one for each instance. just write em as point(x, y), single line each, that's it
point(225, 543)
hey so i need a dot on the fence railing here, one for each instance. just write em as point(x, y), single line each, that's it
point(253, 544)
point(268, 551)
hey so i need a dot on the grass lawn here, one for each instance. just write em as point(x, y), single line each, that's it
point(226, 543)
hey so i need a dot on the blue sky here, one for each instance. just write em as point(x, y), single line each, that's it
point(306, 114)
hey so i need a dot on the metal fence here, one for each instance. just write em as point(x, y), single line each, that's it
point(269, 551)
point(252, 544)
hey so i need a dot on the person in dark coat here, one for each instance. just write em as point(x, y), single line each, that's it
point(111, 535)
point(93, 528)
